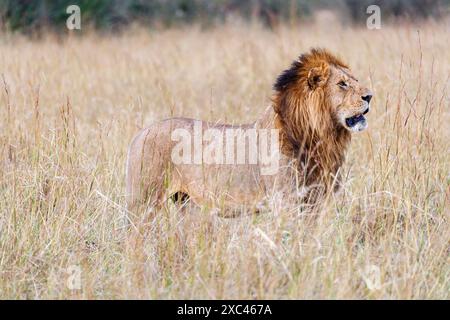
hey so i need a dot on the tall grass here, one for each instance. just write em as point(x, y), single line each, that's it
point(70, 106)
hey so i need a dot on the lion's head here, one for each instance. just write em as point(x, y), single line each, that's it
point(318, 104)
point(319, 93)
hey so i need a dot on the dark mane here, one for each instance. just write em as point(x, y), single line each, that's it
point(304, 118)
point(305, 61)
point(287, 77)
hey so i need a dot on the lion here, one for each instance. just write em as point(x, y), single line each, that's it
point(317, 104)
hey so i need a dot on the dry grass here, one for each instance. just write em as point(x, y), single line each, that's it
point(69, 108)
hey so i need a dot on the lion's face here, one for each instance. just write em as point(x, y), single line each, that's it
point(349, 100)
point(319, 91)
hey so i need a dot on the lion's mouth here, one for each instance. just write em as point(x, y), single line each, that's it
point(357, 119)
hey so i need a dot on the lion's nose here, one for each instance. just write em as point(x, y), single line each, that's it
point(367, 98)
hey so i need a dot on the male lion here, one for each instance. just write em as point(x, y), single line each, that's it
point(316, 106)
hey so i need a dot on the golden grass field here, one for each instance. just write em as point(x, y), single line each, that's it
point(70, 105)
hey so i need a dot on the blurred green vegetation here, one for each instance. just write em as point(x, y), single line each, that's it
point(34, 15)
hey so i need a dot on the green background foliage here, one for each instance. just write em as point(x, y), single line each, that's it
point(32, 15)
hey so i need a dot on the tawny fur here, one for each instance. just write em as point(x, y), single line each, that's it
point(307, 108)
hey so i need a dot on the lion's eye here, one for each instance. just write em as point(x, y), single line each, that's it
point(343, 84)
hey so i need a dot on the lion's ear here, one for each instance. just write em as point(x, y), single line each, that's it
point(318, 76)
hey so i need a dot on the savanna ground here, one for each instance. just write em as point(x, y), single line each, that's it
point(70, 105)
